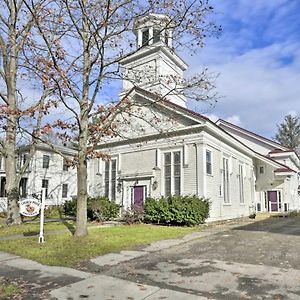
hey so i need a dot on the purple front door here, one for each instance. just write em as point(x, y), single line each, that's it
point(138, 195)
point(273, 201)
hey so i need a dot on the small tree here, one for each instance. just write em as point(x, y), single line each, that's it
point(289, 132)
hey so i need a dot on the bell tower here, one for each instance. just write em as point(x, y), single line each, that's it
point(154, 66)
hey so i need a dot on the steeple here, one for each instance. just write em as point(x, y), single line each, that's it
point(154, 66)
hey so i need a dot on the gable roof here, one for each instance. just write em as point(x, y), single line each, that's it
point(253, 135)
point(212, 125)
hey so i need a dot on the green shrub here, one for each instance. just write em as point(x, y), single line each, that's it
point(99, 209)
point(177, 210)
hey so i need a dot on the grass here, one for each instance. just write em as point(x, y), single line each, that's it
point(8, 290)
point(32, 228)
point(65, 250)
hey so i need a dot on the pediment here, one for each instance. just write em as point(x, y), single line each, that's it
point(147, 116)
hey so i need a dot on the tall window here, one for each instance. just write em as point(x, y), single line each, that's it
point(45, 184)
point(145, 37)
point(208, 162)
point(106, 179)
point(241, 184)
point(226, 180)
point(110, 178)
point(46, 160)
point(168, 173)
point(156, 35)
point(172, 173)
point(65, 165)
point(113, 179)
point(65, 190)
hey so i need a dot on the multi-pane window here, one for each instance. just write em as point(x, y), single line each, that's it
point(106, 179)
point(46, 160)
point(208, 162)
point(172, 173)
point(45, 184)
point(110, 179)
point(167, 167)
point(113, 179)
point(226, 180)
point(65, 165)
point(65, 190)
point(241, 184)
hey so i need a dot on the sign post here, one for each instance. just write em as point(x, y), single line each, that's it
point(41, 236)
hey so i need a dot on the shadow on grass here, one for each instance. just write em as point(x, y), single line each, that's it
point(286, 226)
point(69, 226)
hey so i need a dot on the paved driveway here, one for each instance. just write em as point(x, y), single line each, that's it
point(258, 260)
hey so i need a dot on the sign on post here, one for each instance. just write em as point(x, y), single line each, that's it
point(30, 207)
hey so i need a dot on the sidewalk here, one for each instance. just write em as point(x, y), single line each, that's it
point(50, 282)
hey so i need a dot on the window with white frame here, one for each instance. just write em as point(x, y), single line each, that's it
point(46, 161)
point(241, 184)
point(110, 177)
point(65, 190)
point(208, 162)
point(172, 173)
point(261, 169)
point(226, 180)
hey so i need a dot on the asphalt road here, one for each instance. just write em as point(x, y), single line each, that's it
point(258, 260)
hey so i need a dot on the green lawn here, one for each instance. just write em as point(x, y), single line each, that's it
point(31, 228)
point(65, 250)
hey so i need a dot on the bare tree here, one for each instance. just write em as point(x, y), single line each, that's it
point(16, 24)
point(81, 45)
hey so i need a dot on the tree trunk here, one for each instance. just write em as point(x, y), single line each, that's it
point(81, 217)
point(12, 184)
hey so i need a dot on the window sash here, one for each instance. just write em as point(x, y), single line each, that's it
point(241, 184)
point(46, 161)
point(226, 180)
point(45, 184)
point(172, 173)
point(208, 162)
point(64, 190)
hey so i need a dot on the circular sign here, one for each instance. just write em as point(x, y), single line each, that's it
point(29, 207)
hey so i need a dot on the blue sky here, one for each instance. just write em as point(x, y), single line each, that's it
point(258, 62)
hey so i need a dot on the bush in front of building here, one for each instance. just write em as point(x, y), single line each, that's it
point(134, 215)
point(98, 209)
point(177, 210)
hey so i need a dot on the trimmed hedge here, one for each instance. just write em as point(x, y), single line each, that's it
point(98, 209)
point(177, 210)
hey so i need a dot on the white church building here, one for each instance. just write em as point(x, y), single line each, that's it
point(164, 148)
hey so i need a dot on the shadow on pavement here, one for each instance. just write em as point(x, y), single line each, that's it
point(288, 226)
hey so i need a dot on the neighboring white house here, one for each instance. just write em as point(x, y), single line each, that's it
point(165, 148)
point(47, 169)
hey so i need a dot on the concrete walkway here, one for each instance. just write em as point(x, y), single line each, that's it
point(49, 282)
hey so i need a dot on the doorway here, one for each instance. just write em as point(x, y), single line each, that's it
point(138, 195)
point(274, 201)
